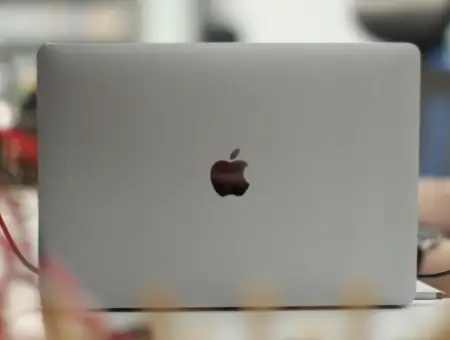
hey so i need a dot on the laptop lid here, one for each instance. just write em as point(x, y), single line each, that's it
point(209, 168)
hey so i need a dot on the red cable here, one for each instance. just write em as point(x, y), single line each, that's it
point(29, 151)
point(16, 249)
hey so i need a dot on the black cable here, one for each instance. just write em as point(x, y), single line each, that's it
point(420, 258)
point(434, 275)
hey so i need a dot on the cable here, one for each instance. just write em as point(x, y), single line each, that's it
point(16, 249)
point(420, 257)
point(434, 275)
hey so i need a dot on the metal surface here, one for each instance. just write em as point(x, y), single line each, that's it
point(330, 133)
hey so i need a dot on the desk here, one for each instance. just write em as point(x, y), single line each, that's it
point(401, 323)
point(406, 323)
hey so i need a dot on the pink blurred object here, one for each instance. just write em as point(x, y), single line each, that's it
point(63, 283)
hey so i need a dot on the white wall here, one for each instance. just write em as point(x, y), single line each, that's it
point(294, 20)
point(257, 20)
point(169, 20)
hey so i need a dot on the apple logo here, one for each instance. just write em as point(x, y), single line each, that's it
point(227, 177)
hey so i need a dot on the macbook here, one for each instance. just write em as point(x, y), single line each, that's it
point(209, 170)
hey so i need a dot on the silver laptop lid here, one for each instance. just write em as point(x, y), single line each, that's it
point(128, 139)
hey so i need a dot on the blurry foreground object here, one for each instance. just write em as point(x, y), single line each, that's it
point(421, 22)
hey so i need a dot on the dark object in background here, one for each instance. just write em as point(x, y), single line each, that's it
point(25, 168)
point(28, 114)
point(213, 32)
point(422, 23)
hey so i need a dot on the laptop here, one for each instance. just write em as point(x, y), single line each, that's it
point(212, 170)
